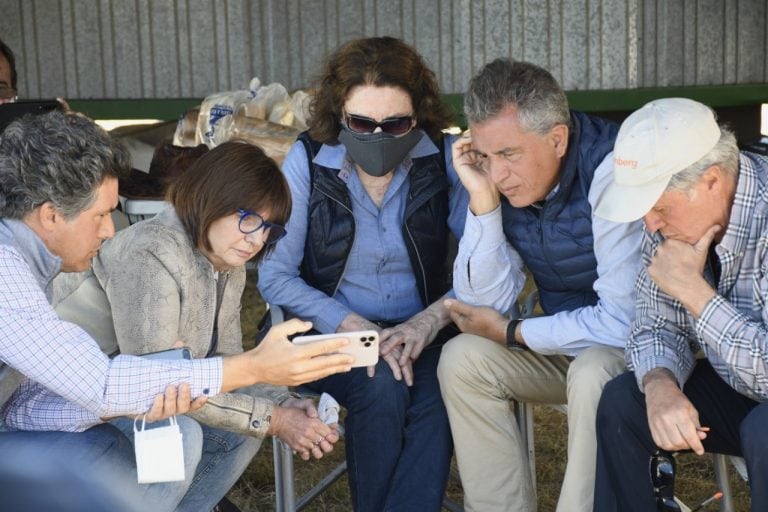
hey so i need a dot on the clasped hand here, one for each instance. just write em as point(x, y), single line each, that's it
point(402, 344)
point(297, 423)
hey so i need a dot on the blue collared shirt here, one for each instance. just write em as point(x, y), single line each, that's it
point(488, 271)
point(378, 282)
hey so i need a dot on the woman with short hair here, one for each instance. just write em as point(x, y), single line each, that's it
point(180, 276)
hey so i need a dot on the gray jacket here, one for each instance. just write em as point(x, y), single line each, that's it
point(149, 287)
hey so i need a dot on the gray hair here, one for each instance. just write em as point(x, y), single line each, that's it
point(540, 101)
point(725, 154)
point(58, 157)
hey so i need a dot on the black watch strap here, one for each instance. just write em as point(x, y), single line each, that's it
point(511, 342)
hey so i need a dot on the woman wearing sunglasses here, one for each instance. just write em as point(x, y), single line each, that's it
point(375, 202)
point(180, 276)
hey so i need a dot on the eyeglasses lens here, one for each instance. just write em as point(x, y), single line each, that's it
point(251, 222)
point(392, 126)
point(662, 470)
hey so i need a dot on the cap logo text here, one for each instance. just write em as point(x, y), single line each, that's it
point(632, 164)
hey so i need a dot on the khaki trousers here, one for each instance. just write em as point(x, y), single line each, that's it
point(479, 378)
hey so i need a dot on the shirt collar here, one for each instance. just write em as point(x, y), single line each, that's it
point(333, 156)
point(742, 212)
point(42, 262)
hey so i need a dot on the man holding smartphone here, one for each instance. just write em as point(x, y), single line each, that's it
point(58, 187)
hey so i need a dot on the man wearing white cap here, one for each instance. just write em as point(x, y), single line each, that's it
point(533, 170)
point(702, 292)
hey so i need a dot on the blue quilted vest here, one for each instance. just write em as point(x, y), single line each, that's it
point(555, 240)
point(331, 225)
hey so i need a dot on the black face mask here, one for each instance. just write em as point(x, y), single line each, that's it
point(378, 153)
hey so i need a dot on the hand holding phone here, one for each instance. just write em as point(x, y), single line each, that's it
point(363, 345)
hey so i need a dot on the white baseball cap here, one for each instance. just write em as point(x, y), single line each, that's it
point(654, 143)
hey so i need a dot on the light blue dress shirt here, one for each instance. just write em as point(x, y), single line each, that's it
point(488, 271)
point(378, 282)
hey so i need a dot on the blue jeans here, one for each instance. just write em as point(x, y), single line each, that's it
point(624, 442)
point(398, 440)
point(214, 459)
point(68, 471)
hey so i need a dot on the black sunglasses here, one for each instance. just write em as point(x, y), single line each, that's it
point(251, 222)
point(391, 125)
point(662, 470)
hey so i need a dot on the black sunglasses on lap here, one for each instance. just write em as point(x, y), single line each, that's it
point(662, 470)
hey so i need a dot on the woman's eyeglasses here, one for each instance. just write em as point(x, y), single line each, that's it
point(662, 469)
point(391, 125)
point(250, 222)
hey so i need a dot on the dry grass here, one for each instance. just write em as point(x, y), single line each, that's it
point(255, 490)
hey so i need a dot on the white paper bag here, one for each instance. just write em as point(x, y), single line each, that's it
point(159, 453)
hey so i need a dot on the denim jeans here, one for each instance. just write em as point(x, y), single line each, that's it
point(213, 459)
point(624, 443)
point(68, 471)
point(398, 441)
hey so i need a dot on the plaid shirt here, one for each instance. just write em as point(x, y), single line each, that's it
point(70, 384)
point(733, 327)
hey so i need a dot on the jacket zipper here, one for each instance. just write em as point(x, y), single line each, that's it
point(421, 265)
point(354, 236)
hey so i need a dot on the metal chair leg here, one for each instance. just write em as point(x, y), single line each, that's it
point(285, 497)
point(524, 415)
point(322, 485)
point(721, 476)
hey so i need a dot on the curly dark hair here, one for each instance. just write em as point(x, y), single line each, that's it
point(378, 61)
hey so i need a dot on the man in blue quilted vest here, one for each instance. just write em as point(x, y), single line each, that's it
point(534, 170)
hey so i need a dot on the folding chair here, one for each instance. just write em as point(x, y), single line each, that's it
point(282, 454)
point(524, 415)
point(285, 488)
point(721, 477)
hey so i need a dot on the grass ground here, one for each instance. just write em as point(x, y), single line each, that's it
point(255, 490)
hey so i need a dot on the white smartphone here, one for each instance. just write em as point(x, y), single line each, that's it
point(363, 345)
point(171, 353)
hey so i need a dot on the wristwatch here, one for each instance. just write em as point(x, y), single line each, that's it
point(512, 343)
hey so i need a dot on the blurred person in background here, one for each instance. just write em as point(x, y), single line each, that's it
point(8, 76)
